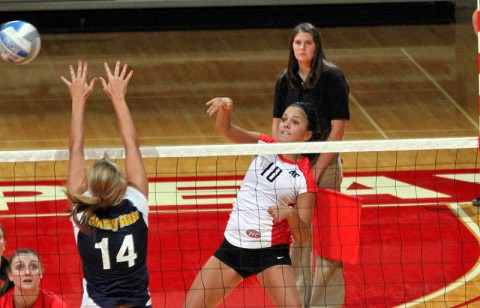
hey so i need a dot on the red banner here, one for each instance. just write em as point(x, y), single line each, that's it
point(336, 226)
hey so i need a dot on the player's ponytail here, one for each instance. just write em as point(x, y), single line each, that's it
point(107, 185)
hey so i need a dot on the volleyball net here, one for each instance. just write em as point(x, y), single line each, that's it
point(403, 225)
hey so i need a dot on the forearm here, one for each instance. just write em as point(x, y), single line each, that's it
point(321, 164)
point(336, 134)
point(125, 124)
point(76, 161)
point(134, 167)
point(300, 230)
point(223, 123)
point(275, 123)
point(77, 128)
point(299, 218)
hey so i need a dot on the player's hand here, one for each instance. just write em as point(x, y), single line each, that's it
point(78, 86)
point(117, 82)
point(217, 103)
point(281, 212)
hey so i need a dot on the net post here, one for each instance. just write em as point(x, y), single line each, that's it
point(476, 27)
point(476, 23)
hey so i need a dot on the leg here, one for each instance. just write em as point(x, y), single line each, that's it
point(279, 283)
point(302, 265)
point(213, 283)
point(328, 284)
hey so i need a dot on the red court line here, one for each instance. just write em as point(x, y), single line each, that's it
point(219, 187)
point(476, 299)
point(210, 196)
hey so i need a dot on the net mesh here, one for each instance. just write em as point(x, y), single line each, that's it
point(417, 241)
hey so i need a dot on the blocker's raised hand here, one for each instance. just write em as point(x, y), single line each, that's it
point(78, 86)
point(116, 83)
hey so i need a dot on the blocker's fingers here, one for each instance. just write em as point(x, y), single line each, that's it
point(124, 70)
point(85, 68)
point(130, 74)
point(72, 73)
point(65, 81)
point(103, 82)
point(117, 68)
point(107, 70)
point(79, 68)
point(92, 83)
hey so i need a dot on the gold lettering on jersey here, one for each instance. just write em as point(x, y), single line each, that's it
point(116, 223)
point(128, 219)
point(105, 224)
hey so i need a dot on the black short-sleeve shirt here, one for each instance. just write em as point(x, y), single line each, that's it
point(330, 95)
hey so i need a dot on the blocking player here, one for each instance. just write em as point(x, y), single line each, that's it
point(109, 204)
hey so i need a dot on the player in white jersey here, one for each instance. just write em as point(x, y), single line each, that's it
point(274, 204)
point(109, 204)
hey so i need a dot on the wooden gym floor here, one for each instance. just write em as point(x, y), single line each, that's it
point(405, 82)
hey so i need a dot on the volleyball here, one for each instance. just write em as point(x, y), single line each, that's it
point(19, 42)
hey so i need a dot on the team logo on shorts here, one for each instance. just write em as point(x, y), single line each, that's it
point(253, 233)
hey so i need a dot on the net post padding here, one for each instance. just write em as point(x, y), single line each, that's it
point(477, 28)
point(251, 149)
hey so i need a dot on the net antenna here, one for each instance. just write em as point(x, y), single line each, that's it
point(476, 24)
point(477, 21)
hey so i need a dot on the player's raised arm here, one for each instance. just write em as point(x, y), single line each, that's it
point(224, 127)
point(80, 89)
point(115, 86)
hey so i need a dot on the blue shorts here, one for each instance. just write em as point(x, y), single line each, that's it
point(248, 262)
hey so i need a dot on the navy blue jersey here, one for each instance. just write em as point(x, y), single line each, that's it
point(114, 254)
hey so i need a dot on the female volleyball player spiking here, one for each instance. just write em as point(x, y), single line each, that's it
point(311, 77)
point(109, 204)
point(274, 204)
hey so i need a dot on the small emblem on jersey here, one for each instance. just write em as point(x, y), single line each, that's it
point(294, 173)
point(280, 258)
point(253, 233)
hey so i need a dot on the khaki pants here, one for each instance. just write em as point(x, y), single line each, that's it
point(326, 286)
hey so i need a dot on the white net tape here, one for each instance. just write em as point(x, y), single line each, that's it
point(252, 149)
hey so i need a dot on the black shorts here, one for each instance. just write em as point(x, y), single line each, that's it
point(248, 262)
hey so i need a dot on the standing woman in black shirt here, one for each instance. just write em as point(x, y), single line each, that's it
point(310, 77)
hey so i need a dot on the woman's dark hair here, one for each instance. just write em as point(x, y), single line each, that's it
point(8, 283)
point(320, 129)
point(319, 63)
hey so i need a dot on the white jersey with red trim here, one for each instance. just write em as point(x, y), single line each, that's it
point(270, 180)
